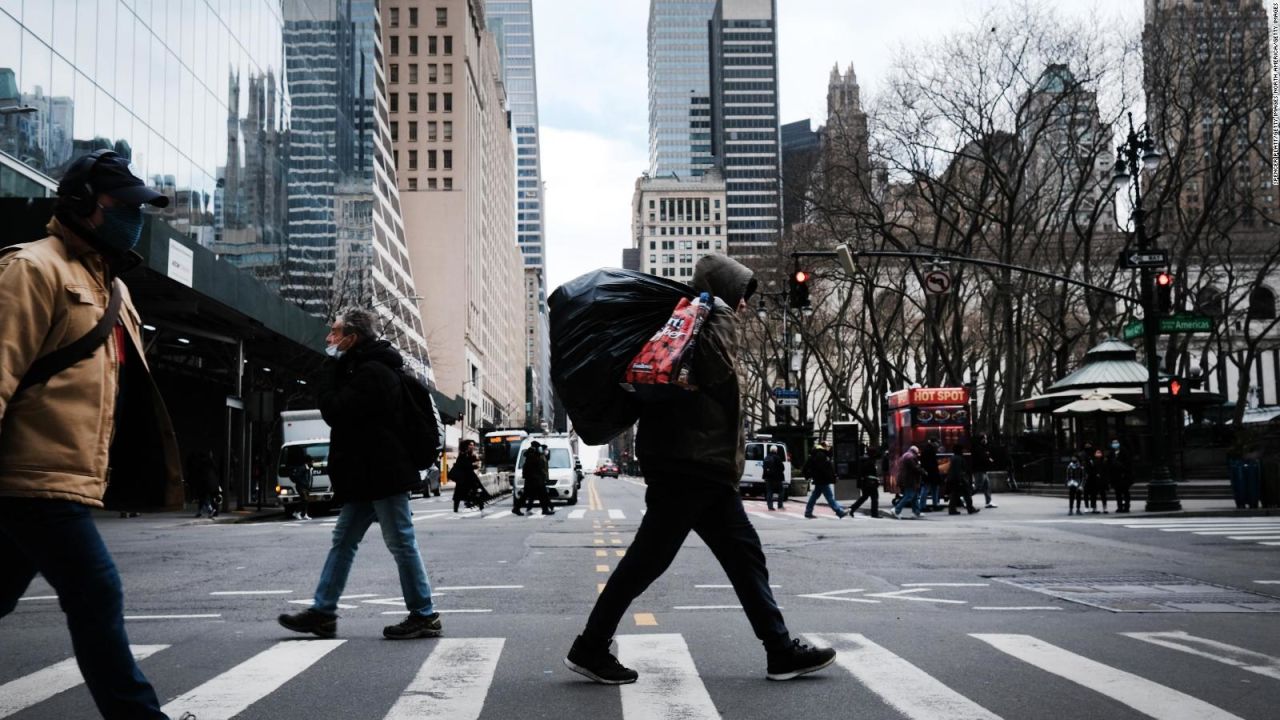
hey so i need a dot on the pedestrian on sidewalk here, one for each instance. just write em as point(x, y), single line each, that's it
point(77, 402)
point(931, 481)
point(909, 477)
point(467, 488)
point(869, 482)
point(982, 462)
point(362, 398)
point(202, 478)
point(774, 474)
point(822, 474)
point(958, 488)
point(1118, 474)
point(303, 476)
point(1095, 483)
point(536, 475)
point(693, 448)
point(1075, 486)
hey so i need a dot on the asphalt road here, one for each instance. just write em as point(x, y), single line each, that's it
point(1017, 612)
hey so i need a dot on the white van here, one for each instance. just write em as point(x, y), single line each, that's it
point(562, 464)
point(306, 441)
point(753, 471)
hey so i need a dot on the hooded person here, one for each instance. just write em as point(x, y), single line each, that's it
point(691, 450)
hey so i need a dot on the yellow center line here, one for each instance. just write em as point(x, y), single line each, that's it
point(616, 541)
point(598, 541)
point(602, 568)
point(599, 588)
point(645, 619)
point(619, 553)
point(602, 553)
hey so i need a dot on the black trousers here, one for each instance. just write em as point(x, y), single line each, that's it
point(540, 496)
point(1075, 497)
point(959, 493)
point(715, 513)
point(1122, 497)
point(869, 492)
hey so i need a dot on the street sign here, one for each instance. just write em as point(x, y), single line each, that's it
point(786, 393)
point(1135, 259)
point(1172, 324)
point(937, 282)
point(789, 402)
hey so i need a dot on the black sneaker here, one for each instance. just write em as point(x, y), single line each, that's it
point(311, 621)
point(598, 664)
point(798, 659)
point(414, 626)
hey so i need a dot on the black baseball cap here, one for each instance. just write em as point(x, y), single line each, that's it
point(109, 173)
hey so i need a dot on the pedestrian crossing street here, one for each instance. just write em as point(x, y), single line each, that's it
point(1253, 530)
point(456, 677)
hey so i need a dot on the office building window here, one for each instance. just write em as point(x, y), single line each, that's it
point(448, 44)
point(448, 102)
point(432, 46)
point(413, 159)
point(413, 183)
point(448, 159)
point(431, 184)
point(431, 73)
point(395, 17)
point(448, 183)
point(431, 102)
point(413, 17)
point(413, 73)
point(394, 47)
point(395, 159)
point(413, 131)
point(395, 132)
point(442, 17)
point(413, 44)
point(394, 101)
point(394, 74)
point(413, 102)
point(431, 130)
point(431, 160)
point(448, 72)
point(448, 131)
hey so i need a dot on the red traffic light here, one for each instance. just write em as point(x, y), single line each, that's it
point(1175, 387)
point(1164, 279)
point(802, 276)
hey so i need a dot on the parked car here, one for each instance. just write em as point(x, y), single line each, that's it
point(753, 472)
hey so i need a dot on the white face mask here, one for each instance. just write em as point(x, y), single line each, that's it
point(1115, 446)
point(333, 351)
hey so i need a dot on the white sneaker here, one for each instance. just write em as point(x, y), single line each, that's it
point(991, 506)
point(896, 514)
point(306, 516)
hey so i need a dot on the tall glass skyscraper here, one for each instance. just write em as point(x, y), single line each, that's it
point(744, 121)
point(679, 88)
point(511, 22)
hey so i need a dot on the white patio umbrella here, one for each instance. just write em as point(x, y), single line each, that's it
point(1094, 402)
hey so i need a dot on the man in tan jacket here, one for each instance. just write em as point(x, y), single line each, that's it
point(91, 433)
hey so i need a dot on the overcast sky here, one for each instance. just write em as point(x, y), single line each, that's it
point(593, 96)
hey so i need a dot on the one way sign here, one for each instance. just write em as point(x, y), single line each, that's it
point(1137, 259)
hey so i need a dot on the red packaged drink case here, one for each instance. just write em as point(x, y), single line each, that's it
point(667, 358)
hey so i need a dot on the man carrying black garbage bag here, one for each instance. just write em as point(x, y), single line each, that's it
point(691, 451)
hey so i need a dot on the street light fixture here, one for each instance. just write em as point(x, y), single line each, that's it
point(1139, 145)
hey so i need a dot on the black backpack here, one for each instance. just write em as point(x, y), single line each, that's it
point(422, 431)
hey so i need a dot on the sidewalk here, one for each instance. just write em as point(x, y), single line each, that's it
point(1021, 506)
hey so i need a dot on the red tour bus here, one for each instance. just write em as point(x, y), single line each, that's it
point(918, 414)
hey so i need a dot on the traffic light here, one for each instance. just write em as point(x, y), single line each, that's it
point(1177, 386)
point(799, 292)
point(1164, 293)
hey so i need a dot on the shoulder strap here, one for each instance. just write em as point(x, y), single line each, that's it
point(64, 357)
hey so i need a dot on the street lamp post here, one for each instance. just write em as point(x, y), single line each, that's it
point(1138, 152)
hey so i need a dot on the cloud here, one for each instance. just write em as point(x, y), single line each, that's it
point(590, 178)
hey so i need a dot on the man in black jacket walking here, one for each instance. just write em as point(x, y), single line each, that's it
point(362, 399)
point(691, 450)
point(535, 474)
point(774, 474)
point(822, 474)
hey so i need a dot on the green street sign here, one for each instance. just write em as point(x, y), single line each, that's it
point(1171, 325)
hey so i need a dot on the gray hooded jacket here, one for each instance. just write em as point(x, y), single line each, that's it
point(698, 436)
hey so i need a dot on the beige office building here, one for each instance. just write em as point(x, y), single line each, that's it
point(455, 167)
point(675, 222)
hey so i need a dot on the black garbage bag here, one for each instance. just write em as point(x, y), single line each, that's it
point(599, 321)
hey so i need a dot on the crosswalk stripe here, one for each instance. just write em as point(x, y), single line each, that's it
point(230, 693)
point(452, 683)
point(669, 685)
point(1145, 696)
point(41, 685)
point(616, 514)
point(911, 691)
point(1249, 660)
point(1253, 537)
point(577, 514)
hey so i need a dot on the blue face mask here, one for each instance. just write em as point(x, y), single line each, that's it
point(121, 227)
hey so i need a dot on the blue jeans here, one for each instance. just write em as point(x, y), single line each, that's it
point(925, 493)
point(908, 499)
point(58, 539)
point(396, 520)
point(826, 492)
